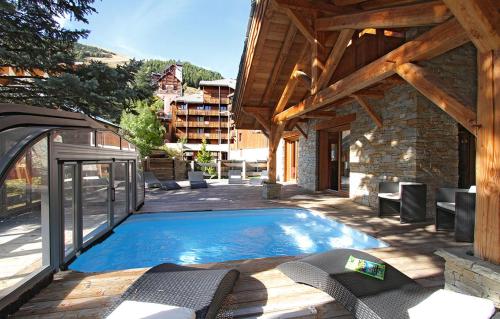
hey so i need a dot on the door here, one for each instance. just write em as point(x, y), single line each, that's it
point(291, 160)
point(334, 164)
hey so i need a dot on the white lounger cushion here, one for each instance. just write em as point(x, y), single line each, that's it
point(391, 196)
point(450, 304)
point(142, 310)
point(446, 205)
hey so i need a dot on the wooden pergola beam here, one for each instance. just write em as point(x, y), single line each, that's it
point(434, 42)
point(335, 122)
point(280, 61)
point(480, 19)
point(334, 57)
point(320, 115)
point(291, 84)
point(302, 24)
point(487, 226)
point(317, 5)
point(399, 17)
point(261, 115)
point(369, 109)
point(433, 89)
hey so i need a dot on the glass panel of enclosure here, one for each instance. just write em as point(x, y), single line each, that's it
point(24, 217)
point(95, 199)
point(131, 188)
point(120, 191)
point(140, 182)
point(106, 139)
point(74, 137)
point(13, 136)
point(69, 207)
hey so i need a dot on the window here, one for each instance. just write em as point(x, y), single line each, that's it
point(223, 108)
point(208, 107)
point(107, 139)
point(120, 188)
point(24, 217)
point(200, 130)
point(74, 137)
point(139, 182)
point(200, 118)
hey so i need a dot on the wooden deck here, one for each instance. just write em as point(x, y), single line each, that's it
point(261, 290)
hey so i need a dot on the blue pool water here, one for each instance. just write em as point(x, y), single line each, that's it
point(202, 237)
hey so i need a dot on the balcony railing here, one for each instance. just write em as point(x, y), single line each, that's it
point(215, 100)
point(223, 124)
point(210, 136)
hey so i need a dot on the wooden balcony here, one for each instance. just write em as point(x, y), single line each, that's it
point(209, 136)
point(215, 100)
point(204, 112)
point(214, 124)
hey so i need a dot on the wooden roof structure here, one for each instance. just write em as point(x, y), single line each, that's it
point(306, 58)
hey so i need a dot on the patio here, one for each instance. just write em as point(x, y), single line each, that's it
point(261, 290)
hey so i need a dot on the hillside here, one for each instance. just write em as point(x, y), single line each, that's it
point(192, 74)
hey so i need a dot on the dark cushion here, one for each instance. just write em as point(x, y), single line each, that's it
point(198, 184)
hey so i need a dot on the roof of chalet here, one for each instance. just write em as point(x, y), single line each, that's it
point(274, 46)
point(191, 98)
point(223, 82)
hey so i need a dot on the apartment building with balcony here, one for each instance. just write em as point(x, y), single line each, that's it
point(203, 116)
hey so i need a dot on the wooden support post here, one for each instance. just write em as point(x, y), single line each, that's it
point(274, 139)
point(487, 228)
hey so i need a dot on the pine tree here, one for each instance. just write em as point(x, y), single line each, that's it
point(31, 40)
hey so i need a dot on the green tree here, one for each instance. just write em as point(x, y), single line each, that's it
point(204, 156)
point(143, 127)
point(32, 40)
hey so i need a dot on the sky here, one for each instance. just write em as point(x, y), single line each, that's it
point(208, 33)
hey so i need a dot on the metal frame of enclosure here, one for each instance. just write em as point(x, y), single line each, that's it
point(66, 180)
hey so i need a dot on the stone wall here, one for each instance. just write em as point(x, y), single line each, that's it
point(387, 153)
point(417, 142)
point(470, 275)
point(307, 166)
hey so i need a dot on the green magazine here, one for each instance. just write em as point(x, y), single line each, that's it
point(366, 267)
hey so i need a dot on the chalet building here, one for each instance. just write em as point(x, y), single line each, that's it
point(248, 145)
point(169, 86)
point(364, 92)
point(203, 116)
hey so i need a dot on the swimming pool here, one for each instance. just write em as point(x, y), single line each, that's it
point(201, 237)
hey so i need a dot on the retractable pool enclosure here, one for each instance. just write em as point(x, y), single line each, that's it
point(65, 181)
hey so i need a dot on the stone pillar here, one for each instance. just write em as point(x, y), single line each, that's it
point(219, 169)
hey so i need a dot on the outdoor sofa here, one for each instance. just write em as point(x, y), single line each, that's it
point(196, 180)
point(456, 209)
point(395, 297)
point(176, 292)
point(406, 199)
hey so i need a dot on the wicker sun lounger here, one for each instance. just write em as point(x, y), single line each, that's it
point(150, 180)
point(203, 291)
point(363, 296)
point(170, 185)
